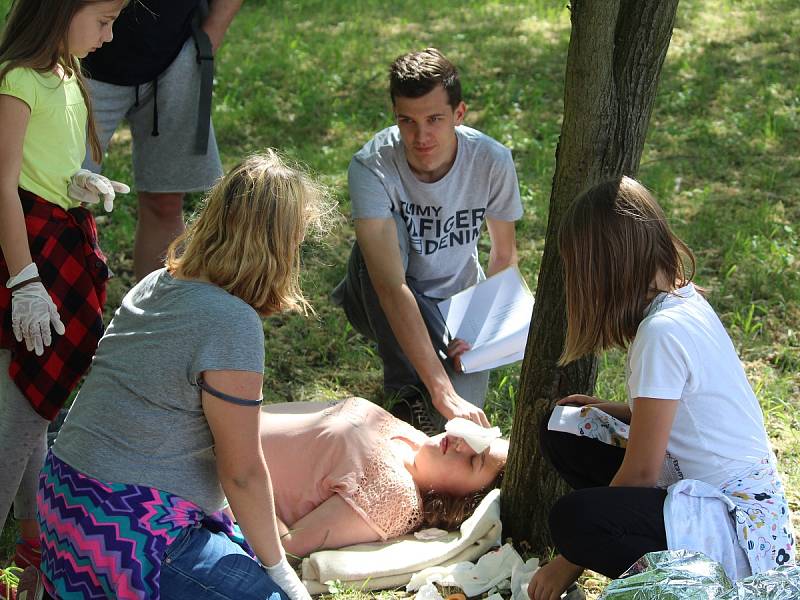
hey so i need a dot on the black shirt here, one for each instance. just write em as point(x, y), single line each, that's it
point(148, 35)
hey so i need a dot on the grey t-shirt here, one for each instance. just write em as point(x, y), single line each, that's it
point(443, 219)
point(138, 418)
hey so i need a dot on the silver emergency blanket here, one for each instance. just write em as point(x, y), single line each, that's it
point(684, 575)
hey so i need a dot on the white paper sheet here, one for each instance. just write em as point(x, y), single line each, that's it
point(565, 418)
point(493, 317)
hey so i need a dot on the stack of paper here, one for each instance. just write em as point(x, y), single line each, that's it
point(493, 316)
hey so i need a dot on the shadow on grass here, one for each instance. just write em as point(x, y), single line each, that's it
point(722, 124)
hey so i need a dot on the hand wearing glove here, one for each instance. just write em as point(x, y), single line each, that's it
point(286, 578)
point(86, 186)
point(32, 310)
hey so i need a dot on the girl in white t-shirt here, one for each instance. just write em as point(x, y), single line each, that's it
point(694, 470)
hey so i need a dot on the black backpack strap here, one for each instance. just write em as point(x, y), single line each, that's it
point(205, 58)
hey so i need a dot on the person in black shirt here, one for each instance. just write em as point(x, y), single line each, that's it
point(156, 74)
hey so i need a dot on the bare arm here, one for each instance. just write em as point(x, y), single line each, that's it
point(651, 423)
point(220, 15)
point(332, 524)
point(503, 252)
point(377, 239)
point(14, 117)
point(241, 467)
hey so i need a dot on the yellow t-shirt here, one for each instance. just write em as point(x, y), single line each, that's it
point(55, 140)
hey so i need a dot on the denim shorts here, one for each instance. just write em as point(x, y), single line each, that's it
point(201, 565)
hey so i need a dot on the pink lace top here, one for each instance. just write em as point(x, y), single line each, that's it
point(345, 449)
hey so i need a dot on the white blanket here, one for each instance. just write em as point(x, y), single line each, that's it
point(387, 565)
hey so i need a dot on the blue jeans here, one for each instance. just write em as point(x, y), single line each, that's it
point(202, 565)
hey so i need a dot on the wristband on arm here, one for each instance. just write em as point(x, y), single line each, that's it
point(25, 282)
point(28, 274)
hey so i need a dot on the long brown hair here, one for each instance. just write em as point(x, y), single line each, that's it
point(614, 240)
point(448, 511)
point(35, 37)
point(246, 237)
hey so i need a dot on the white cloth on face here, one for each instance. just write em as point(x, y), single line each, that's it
point(391, 564)
point(477, 437)
point(474, 579)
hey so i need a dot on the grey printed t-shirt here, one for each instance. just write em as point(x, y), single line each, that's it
point(138, 418)
point(443, 219)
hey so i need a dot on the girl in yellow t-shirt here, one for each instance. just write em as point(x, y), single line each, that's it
point(52, 267)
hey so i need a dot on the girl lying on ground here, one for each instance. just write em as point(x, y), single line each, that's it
point(349, 472)
point(695, 424)
point(166, 425)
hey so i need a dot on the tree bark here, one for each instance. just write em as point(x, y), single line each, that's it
point(616, 51)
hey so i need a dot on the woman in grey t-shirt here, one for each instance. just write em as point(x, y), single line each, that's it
point(166, 425)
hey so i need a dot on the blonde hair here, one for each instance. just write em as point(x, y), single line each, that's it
point(35, 37)
point(246, 237)
point(614, 240)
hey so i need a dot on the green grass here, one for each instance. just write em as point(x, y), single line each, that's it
point(722, 155)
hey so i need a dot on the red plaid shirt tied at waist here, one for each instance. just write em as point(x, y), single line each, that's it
point(64, 247)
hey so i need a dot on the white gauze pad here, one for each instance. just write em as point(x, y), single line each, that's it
point(476, 436)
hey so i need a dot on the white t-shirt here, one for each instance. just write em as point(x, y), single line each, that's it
point(444, 218)
point(682, 352)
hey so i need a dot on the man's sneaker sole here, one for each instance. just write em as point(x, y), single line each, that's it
point(418, 413)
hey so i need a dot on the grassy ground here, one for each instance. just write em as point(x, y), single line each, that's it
point(722, 156)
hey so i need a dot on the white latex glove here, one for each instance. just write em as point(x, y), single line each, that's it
point(89, 187)
point(33, 311)
point(285, 576)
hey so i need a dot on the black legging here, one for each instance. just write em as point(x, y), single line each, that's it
point(605, 529)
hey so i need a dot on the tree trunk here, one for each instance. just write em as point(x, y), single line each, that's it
point(616, 51)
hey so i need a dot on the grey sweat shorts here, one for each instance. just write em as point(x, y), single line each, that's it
point(165, 163)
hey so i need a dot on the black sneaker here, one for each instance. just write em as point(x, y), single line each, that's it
point(418, 412)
